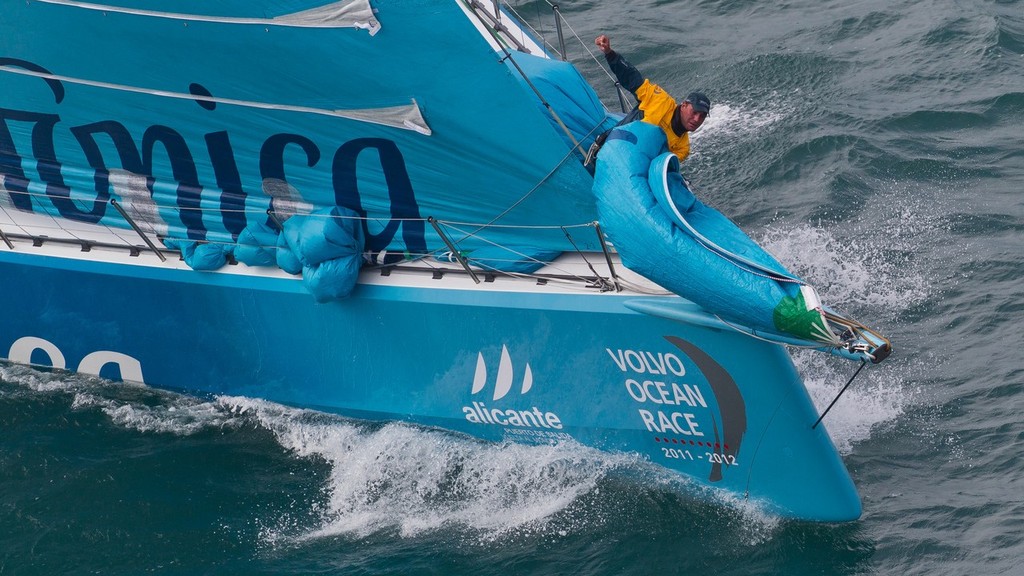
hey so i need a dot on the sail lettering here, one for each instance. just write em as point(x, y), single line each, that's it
point(169, 166)
point(15, 182)
point(128, 157)
point(183, 171)
point(405, 212)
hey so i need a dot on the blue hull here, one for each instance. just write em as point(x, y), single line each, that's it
point(727, 410)
point(225, 129)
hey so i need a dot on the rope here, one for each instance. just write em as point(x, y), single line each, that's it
point(523, 198)
point(560, 16)
point(848, 382)
point(524, 256)
point(589, 265)
point(584, 44)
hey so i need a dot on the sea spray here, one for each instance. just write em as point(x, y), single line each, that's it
point(398, 477)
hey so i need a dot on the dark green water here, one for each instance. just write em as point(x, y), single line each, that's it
point(877, 148)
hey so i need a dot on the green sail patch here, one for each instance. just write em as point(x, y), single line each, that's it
point(793, 317)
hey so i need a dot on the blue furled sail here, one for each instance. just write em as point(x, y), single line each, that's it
point(665, 233)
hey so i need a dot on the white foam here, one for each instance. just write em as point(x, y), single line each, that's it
point(875, 278)
point(408, 480)
point(412, 480)
point(732, 124)
point(182, 416)
point(848, 272)
point(877, 397)
point(38, 381)
point(729, 120)
point(131, 406)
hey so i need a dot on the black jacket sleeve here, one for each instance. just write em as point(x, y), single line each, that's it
point(626, 73)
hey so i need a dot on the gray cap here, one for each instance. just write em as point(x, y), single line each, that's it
point(699, 101)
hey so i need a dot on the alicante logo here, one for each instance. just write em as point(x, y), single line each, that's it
point(504, 381)
point(480, 413)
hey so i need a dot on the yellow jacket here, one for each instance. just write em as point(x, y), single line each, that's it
point(659, 108)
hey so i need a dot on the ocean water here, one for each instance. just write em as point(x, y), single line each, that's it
point(877, 148)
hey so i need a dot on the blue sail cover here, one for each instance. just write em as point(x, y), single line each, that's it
point(665, 233)
point(200, 116)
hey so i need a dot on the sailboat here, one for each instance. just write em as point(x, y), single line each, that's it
point(383, 210)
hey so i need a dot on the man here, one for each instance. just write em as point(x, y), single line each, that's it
point(657, 106)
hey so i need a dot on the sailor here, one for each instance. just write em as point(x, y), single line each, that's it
point(657, 106)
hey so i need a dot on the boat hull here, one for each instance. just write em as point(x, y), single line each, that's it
point(502, 362)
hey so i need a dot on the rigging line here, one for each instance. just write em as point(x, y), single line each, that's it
point(547, 105)
point(131, 222)
point(848, 382)
point(586, 46)
point(712, 248)
point(492, 243)
point(750, 266)
point(455, 253)
point(3, 208)
point(842, 318)
point(600, 278)
point(527, 256)
point(137, 213)
point(644, 289)
point(260, 211)
point(514, 226)
point(561, 17)
point(525, 196)
point(522, 22)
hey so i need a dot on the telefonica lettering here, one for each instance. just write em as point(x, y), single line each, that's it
point(143, 151)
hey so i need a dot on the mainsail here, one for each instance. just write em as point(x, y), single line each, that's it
point(421, 118)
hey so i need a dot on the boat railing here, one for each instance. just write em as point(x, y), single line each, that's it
point(592, 268)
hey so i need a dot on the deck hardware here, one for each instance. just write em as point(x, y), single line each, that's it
point(277, 221)
point(124, 214)
point(607, 257)
point(598, 281)
point(6, 240)
point(558, 26)
point(455, 253)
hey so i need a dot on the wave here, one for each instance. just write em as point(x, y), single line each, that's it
point(382, 479)
point(876, 277)
point(409, 481)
